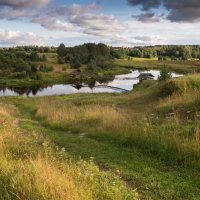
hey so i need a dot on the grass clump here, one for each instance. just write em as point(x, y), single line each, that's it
point(84, 118)
point(183, 84)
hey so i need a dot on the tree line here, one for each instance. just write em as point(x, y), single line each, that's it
point(96, 55)
point(89, 54)
point(166, 52)
point(20, 64)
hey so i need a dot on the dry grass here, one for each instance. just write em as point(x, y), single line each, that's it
point(33, 168)
point(172, 137)
point(98, 117)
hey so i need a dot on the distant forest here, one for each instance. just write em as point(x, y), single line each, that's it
point(26, 61)
point(96, 54)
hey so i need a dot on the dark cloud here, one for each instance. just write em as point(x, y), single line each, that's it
point(20, 4)
point(179, 11)
point(146, 4)
point(148, 17)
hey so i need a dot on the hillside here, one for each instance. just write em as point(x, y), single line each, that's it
point(145, 142)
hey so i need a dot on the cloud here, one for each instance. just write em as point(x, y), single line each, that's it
point(148, 17)
point(21, 4)
point(82, 19)
point(52, 23)
point(150, 40)
point(98, 25)
point(179, 11)
point(74, 9)
point(14, 38)
point(21, 9)
point(146, 4)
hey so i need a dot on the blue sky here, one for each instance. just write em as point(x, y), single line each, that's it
point(117, 23)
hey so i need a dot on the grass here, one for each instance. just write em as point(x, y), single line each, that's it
point(139, 166)
point(103, 118)
point(150, 136)
point(167, 137)
point(190, 66)
point(34, 168)
point(142, 59)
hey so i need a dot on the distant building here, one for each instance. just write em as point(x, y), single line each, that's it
point(145, 76)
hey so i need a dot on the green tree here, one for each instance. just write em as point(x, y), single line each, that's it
point(164, 74)
point(61, 50)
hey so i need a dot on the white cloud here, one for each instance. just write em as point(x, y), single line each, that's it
point(98, 25)
point(14, 38)
point(52, 23)
point(150, 40)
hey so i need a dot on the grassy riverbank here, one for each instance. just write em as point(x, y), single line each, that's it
point(149, 137)
point(189, 66)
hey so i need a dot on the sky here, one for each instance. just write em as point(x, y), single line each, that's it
point(125, 23)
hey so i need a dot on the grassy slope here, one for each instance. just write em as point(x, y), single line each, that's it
point(32, 167)
point(134, 133)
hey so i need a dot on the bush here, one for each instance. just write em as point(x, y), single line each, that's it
point(169, 88)
point(164, 74)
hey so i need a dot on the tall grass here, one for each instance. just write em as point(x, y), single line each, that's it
point(169, 131)
point(32, 168)
point(85, 117)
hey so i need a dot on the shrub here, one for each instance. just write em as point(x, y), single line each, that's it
point(164, 74)
point(169, 88)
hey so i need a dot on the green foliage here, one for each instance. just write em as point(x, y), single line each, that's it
point(167, 52)
point(75, 62)
point(34, 56)
point(92, 64)
point(87, 54)
point(19, 75)
point(164, 74)
point(61, 50)
point(45, 68)
point(34, 68)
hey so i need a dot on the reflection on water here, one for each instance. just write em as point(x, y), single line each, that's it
point(118, 84)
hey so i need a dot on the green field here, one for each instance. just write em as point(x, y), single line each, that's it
point(178, 66)
point(145, 142)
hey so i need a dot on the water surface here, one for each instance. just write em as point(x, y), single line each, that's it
point(120, 83)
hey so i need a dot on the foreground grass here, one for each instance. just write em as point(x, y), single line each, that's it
point(153, 178)
point(33, 168)
point(163, 132)
point(150, 136)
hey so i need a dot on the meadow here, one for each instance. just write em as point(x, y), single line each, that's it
point(32, 167)
point(144, 144)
